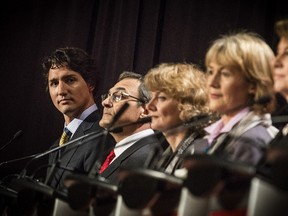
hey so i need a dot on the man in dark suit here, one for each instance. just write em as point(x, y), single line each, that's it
point(78, 159)
point(70, 76)
point(134, 143)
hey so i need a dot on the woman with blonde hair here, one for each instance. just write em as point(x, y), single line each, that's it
point(178, 94)
point(240, 90)
point(239, 82)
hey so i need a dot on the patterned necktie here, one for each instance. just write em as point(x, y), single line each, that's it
point(108, 160)
point(65, 136)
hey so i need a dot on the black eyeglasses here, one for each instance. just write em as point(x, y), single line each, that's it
point(119, 96)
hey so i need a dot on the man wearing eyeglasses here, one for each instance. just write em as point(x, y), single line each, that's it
point(135, 142)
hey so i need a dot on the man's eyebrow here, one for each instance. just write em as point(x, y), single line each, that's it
point(52, 80)
point(64, 77)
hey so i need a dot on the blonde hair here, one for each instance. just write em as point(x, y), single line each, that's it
point(247, 52)
point(281, 28)
point(184, 82)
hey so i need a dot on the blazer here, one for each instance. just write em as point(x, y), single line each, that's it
point(170, 161)
point(133, 157)
point(247, 141)
point(82, 158)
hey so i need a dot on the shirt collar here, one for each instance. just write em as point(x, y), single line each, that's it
point(129, 141)
point(218, 127)
point(74, 124)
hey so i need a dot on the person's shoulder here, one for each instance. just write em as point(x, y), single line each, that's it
point(151, 138)
point(91, 122)
point(95, 116)
point(259, 131)
point(257, 136)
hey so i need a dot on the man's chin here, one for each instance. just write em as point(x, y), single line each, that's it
point(68, 112)
point(104, 124)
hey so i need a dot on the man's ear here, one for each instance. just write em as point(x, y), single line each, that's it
point(91, 88)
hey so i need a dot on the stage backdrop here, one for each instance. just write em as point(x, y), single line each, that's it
point(132, 35)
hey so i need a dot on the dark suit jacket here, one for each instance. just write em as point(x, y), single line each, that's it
point(81, 158)
point(281, 109)
point(133, 157)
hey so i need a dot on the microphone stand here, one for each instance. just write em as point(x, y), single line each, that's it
point(85, 185)
point(153, 174)
point(16, 136)
point(18, 159)
point(51, 171)
point(87, 137)
point(90, 136)
point(22, 181)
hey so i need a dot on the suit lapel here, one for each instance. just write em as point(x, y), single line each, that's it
point(83, 129)
point(119, 160)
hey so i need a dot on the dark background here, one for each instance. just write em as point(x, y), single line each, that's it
point(132, 35)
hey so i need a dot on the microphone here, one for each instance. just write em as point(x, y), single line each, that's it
point(218, 163)
point(86, 137)
point(200, 119)
point(70, 169)
point(261, 101)
point(98, 162)
point(118, 114)
point(120, 128)
point(15, 137)
point(18, 159)
point(226, 138)
point(279, 119)
point(194, 121)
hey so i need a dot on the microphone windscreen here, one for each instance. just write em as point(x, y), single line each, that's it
point(18, 134)
point(118, 114)
point(120, 128)
point(145, 120)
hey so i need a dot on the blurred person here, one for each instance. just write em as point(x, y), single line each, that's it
point(281, 70)
point(239, 77)
point(240, 89)
point(275, 161)
point(269, 194)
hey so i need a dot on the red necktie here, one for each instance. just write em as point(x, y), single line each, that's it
point(108, 160)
